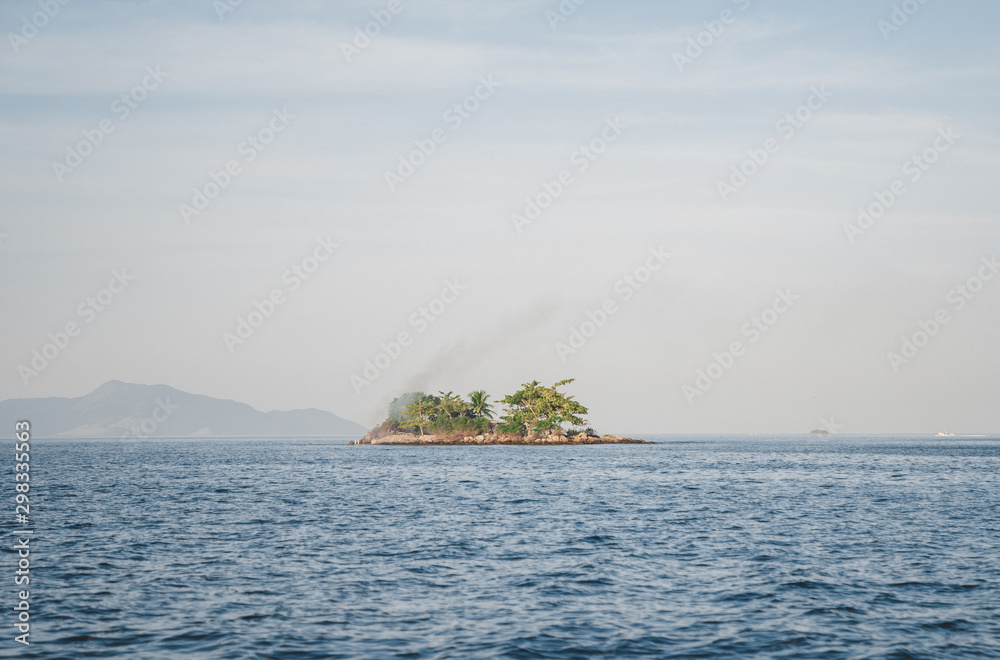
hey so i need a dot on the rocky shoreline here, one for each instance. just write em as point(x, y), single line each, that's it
point(496, 439)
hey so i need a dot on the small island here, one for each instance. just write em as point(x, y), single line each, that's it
point(536, 415)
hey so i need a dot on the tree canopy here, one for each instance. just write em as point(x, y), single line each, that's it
point(479, 401)
point(534, 408)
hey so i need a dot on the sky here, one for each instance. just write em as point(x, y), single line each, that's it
point(735, 216)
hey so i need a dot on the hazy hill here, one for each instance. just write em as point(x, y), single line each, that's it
point(116, 409)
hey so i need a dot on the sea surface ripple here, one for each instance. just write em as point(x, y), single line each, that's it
point(697, 547)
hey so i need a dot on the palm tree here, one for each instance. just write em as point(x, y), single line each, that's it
point(479, 403)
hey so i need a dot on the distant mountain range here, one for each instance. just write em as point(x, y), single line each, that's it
point(117, 409)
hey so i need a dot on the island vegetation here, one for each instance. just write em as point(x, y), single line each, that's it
point(535, 414)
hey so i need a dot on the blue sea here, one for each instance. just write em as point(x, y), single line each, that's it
point(696, 547)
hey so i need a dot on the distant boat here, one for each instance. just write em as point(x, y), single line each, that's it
point(945, 434)
point(819, 432)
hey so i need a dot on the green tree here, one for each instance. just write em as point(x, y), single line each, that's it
point(451, 406)
point(479, 402)
point(421, 411)
point(536, 408)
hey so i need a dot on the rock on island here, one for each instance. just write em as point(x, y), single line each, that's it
point(496, 439)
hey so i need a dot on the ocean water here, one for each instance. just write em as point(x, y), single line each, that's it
point(804, 547)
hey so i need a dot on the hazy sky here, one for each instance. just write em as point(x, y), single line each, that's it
point(393, 172)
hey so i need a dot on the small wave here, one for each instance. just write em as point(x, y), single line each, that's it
point(744, 597)
point(808, 584)
point(956, 624)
